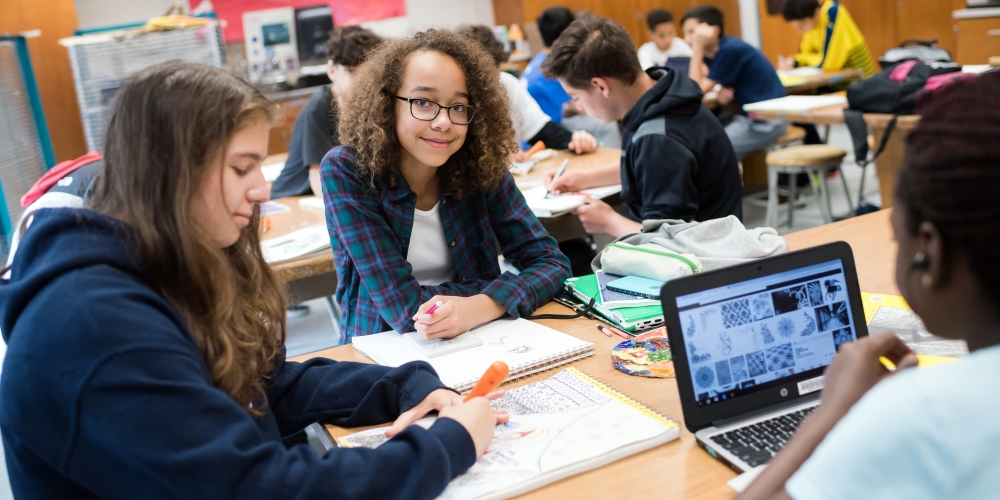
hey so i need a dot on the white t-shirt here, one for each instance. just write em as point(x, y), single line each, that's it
point(525, 112)
point(929, 433)
point(428, 252)
point(650, 55)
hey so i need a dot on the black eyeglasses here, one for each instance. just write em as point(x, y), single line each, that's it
point(427, 110)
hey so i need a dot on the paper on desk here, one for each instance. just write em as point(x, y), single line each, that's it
point(296, 244)
point(273, 208)
point(558, 205)
point(804, 71)
point(796, 103)
point(272, 171)
point(313, 202)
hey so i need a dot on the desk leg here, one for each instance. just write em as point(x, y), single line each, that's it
point(888, 163)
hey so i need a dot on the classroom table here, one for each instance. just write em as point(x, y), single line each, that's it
point(807, 85)
point(315, 276)
point(679, 469)
point(888, 163)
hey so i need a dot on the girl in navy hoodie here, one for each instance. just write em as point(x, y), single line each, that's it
point(145, 333)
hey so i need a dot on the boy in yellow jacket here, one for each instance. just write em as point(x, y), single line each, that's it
point(830, 39)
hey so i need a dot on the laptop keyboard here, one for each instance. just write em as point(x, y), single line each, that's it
point(755, 444)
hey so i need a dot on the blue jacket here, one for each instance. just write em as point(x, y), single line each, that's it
point(104, 394)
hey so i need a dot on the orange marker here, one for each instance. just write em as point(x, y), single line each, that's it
point(534, 149)
point(494, 376)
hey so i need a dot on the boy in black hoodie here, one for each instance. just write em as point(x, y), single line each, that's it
point(677, 162)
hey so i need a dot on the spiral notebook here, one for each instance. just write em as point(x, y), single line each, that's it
point(525, 346)
point(559, 427)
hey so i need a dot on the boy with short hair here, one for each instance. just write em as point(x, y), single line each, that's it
point(830, 39)
point(745, 74)
point(315, 131)
point(676, 159)
point(663, 41)
point(546, 91)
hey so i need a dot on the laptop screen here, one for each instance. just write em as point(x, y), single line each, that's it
point(748, 336)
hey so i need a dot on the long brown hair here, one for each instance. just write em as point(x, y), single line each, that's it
point(368, 122)
point(170, 128)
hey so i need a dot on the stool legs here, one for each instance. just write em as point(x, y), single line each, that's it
point(818, 179)
point(771, 217)
point(792, 197)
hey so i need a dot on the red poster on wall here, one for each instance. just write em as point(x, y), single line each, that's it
point(345, 12)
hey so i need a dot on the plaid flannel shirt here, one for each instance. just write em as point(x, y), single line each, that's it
point(370, 235)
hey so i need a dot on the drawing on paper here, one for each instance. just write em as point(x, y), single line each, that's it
point(841, 337)
point(810, 327)
point(499, 341)
point(725, 345)
point(521, 349)
point(815, 292)
point(755, 363)
point(739, 368)
point(736, 313)
point(763, 307)
point(704, 377)
point(832, 289)
point(722, 372)
point(780, 357)
point(561, 392)
point(832, 316)
point(911, 330)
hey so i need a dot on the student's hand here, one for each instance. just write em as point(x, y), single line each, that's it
point(519, 156)
point(857, 368)
point(725, 95)
point(438, 401)
point(568, 182)
point(599, 218)
point(582, 142)
point(478, 419)
point(785, 63)
point(703, 35)
point(455, 316)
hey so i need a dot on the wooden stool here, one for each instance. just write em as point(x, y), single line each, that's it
point(815, 160)
point(792, 136)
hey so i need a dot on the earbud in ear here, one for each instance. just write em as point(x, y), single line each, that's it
point(920, 261)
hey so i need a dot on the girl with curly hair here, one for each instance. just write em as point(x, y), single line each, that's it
point(419, 196)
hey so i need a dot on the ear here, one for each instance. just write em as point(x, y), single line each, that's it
point(601, 85)
point(329, 70)
point(930, 241)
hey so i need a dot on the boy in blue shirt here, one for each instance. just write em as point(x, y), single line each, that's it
point(547, 91)
point(745, 74)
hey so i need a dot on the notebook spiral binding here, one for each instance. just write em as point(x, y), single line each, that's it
point(537, 365)
point(624, 398)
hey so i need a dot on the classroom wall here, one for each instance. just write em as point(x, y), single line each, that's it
point(424, 14)
point(100, 13)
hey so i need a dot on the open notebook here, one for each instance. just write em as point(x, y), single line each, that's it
point(525, 346)
point(555, 206)
point(296, 244)
point(558, 427)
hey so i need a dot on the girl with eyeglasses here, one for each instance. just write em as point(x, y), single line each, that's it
point(419, 198)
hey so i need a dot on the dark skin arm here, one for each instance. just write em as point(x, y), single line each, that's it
point(855, 370)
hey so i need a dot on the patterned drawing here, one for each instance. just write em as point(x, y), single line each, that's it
point(755, 363)
point(725, 345)
point(841, 337)
point(562, 392)
point(832, 288)
point(736, 313)
point(521, 349)
point(766, 335)
point(833, 316)
point(780, 357)
point(790, 299)
point(704, 377)
point(810, 325)
point(723, 373)
point(763, 307)
point(815, 293)
point(699, 358)
point(704, 317)
point(739, 368)
point(690, 329)
point(786, 327)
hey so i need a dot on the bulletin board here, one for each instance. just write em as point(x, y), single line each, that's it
point(345, 12)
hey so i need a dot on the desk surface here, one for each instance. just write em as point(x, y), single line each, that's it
point(832, 115)
point(810, 83)
point(681, 468)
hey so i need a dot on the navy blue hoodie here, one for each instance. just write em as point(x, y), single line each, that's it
point(104, 394)
point(677, 161)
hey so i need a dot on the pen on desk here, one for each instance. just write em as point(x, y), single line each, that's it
point(620, 333)
point(603, 330)
point(608, 330)
point(494, 376)
point(562, 168)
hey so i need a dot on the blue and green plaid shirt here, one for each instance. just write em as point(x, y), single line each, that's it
point(370, 235)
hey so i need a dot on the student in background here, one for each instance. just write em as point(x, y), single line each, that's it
point(663, 41)
point(530, 123)
point(315, 131)
point(923, 433)
point(148, 362)
point(745, 74)
point(830, 39)
point(419, 196)
point(677, 162)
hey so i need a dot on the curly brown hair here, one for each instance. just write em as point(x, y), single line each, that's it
point(368, 123)
point(484, 35)
point(351, 45)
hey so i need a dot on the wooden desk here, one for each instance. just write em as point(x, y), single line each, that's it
point(810, 84)
point(315, 276)
point(680, 468)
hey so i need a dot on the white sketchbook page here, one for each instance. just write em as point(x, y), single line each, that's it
point(518, 342)
point(295, 244)
point(796, 103)
point(441, 347)
point(805, 71)
point(558, 205)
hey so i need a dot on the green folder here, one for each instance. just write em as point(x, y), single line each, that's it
point(585, 288)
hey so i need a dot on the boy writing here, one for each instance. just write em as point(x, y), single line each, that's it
point(830, 39)
point(663, 42)
point(745, 74)
point(676, 160)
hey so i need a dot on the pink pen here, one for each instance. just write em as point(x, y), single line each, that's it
point(433, 308)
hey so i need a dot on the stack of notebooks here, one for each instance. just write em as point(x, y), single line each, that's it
point(627, 312)
point(525, 346)
point(558, 427)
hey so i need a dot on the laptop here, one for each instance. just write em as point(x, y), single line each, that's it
point(750, 343)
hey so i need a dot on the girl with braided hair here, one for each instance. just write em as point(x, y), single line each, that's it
point(927, 433)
